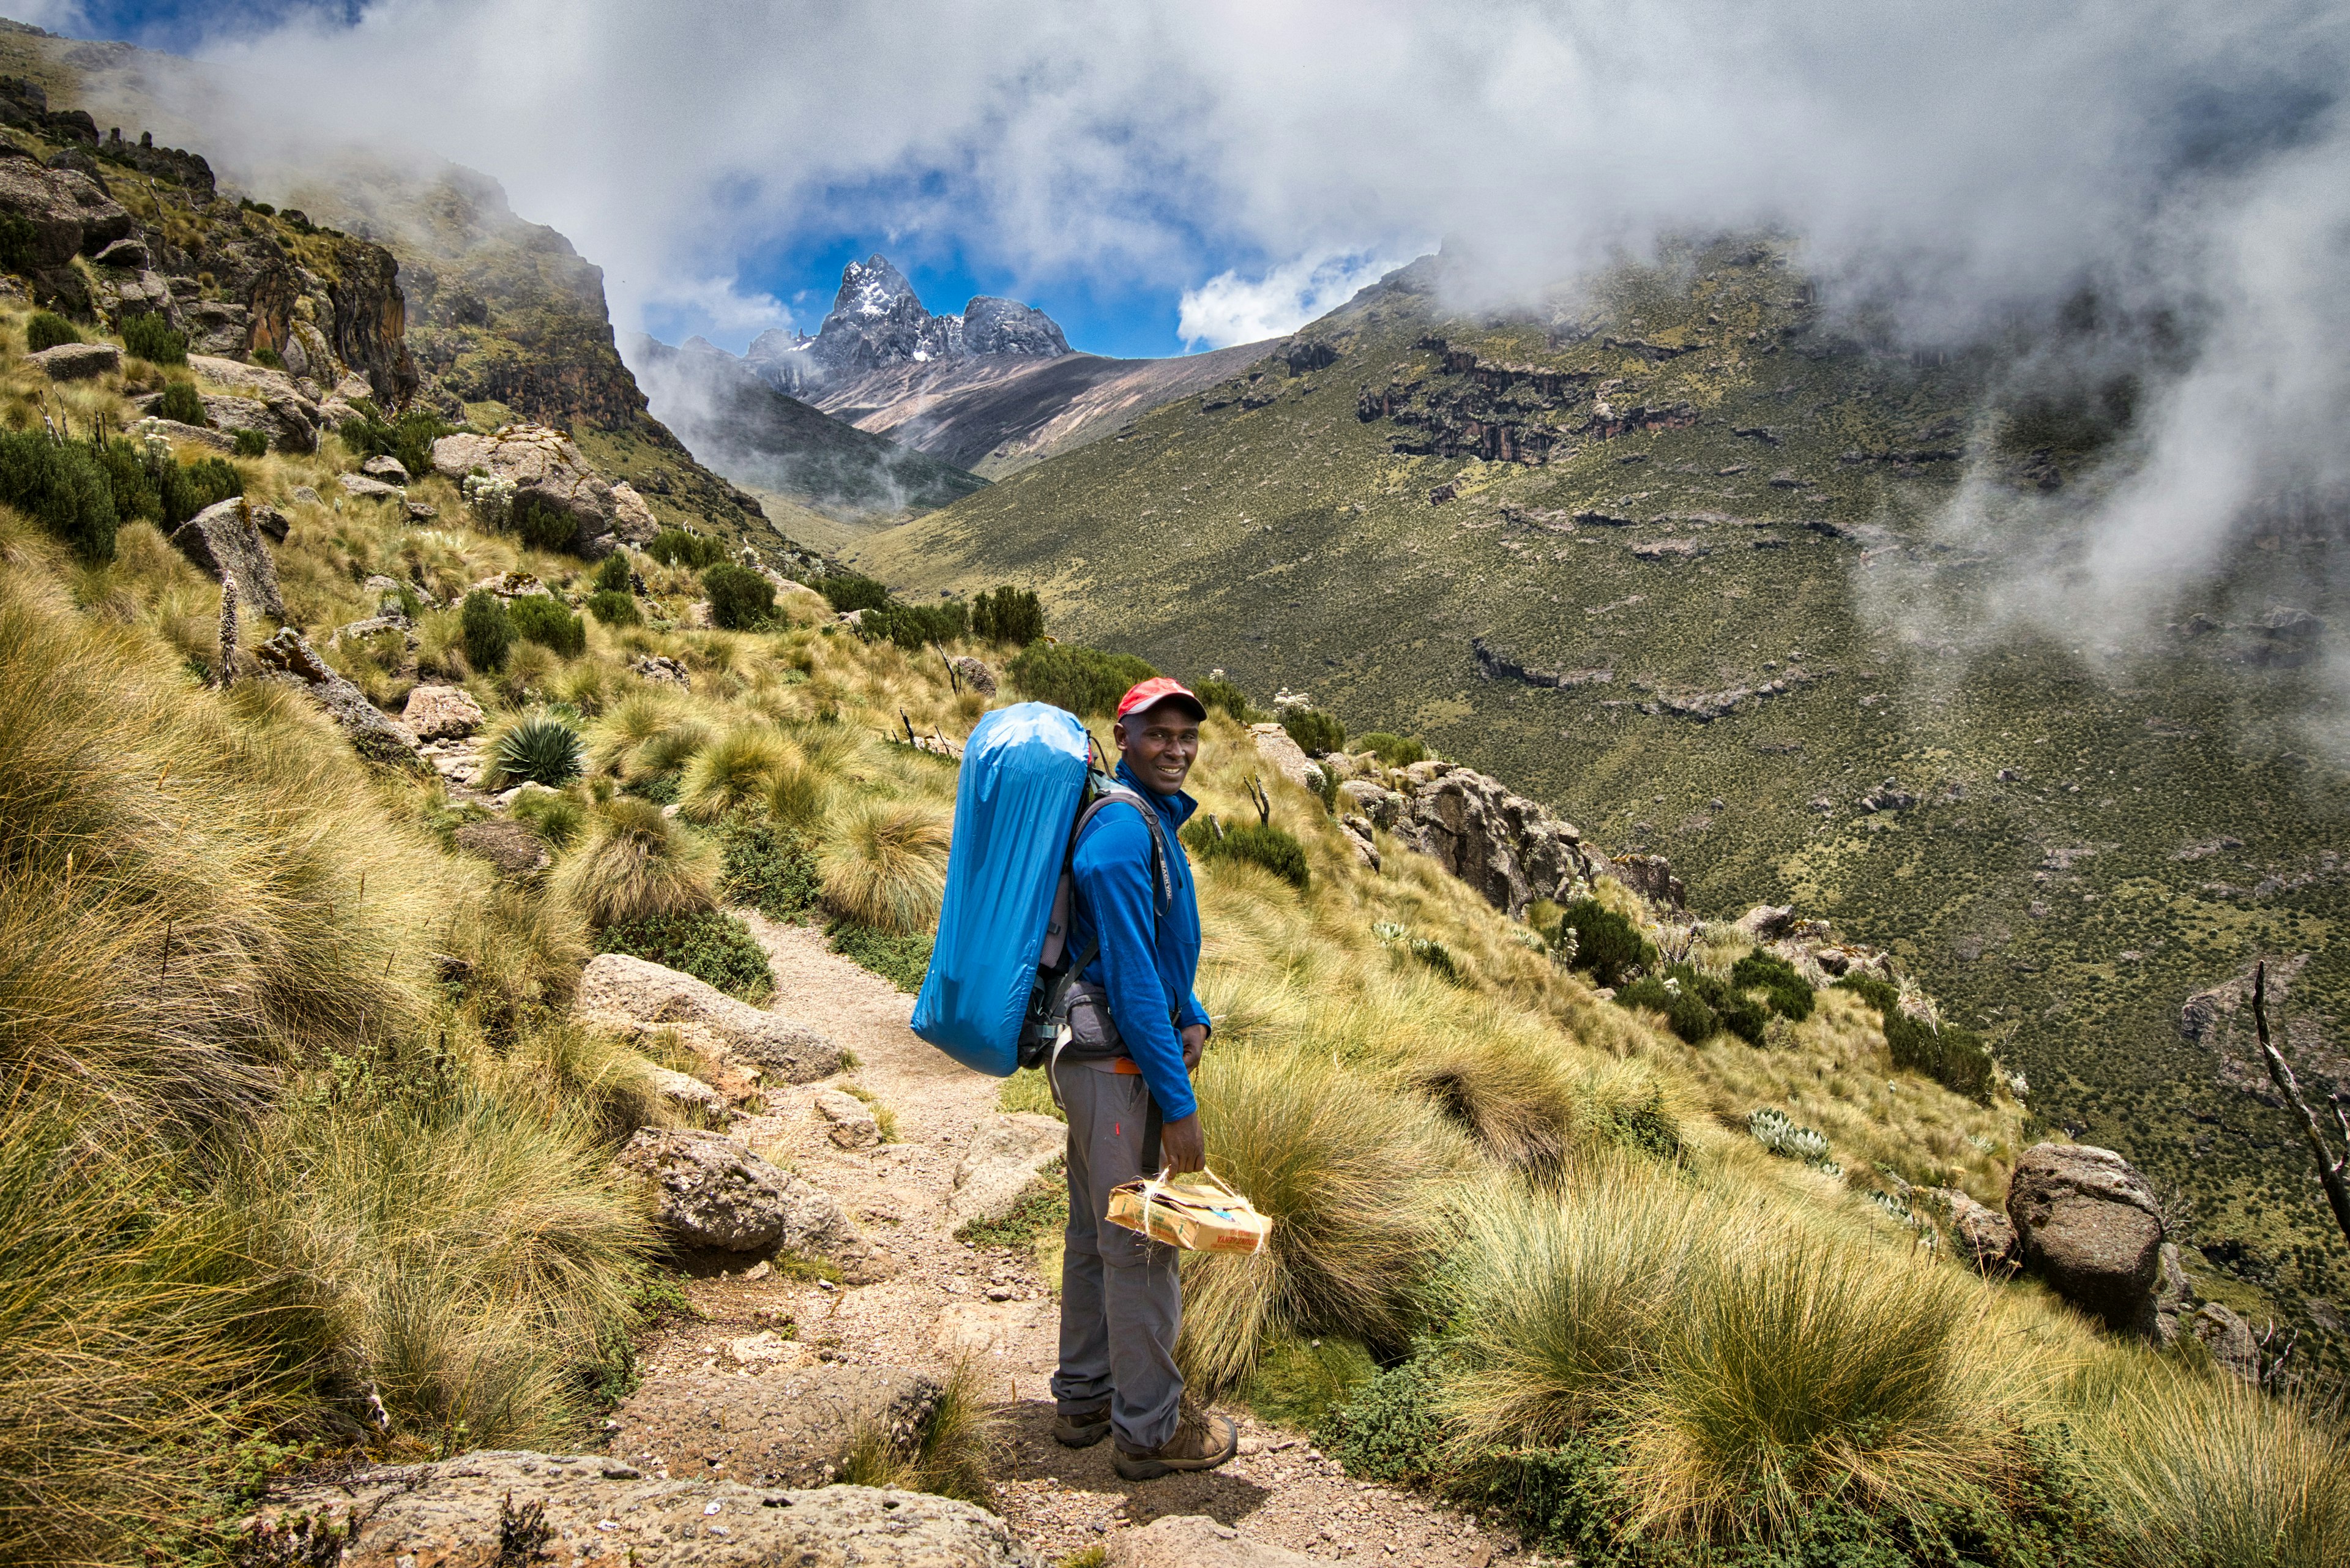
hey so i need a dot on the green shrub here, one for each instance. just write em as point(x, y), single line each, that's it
point(1298, 1381)
point(487, 630)
point(543, 524)
point(1955, 1059)
point(1084, 681)
point(1396, 751)
point(900, 959)
point(739, 599)
point(1790, 995)
point(916, 626)
point(712, 946)
point(64, 486)
point(47, 330)
point(251, 443)
point(269, 357)
point(614, 610)
point(1216, 695)
point(612, 574)
point(1388, 1429)
point(409, 438)
point(1605, 943)
point(182, 402)
point(676, 547)
point(20, 244)
point(187, 488)
point(543, 619)
point(555, 815)
point(770, 868)
point(542, 749)
point(1008, 615)
point(1315, 731)
point(1697, 1004)
point(150, 338)
point(845, 591)
point(1260, 844)
point(130, 478)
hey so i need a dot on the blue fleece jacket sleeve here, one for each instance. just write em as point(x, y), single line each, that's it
point(1112, 870)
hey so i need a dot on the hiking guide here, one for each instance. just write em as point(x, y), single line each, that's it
point(1136, 1030)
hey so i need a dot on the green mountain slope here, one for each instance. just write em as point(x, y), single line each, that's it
point(1714, 620)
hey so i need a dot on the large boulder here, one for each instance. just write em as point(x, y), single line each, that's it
point(550, 473)
point(644, 992)
point(441, 712)
point(224, 540)
point(374, 735)
point(77, 361)
point(712, 1192)
point(1282, 754)
point(1006, 1154)
point(492, 1506)
point(259, 398)
point(786, 1425)
point(2091, 1228)
point(1983, 1237)
point(1195, 1540)
point(1509, 848)
point(71, 213)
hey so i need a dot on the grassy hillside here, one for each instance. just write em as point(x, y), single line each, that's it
point(1714, 619)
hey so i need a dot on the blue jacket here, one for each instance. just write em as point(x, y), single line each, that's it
point(1148, 961)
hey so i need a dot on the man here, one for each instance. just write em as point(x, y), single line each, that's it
point(1136, 1031)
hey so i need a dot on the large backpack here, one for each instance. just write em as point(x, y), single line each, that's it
point(997, 993)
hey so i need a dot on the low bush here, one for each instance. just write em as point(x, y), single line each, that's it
point(20, 244)
point(541, 749)
point(269, 357)
point(62, 486)
point(1315, 731)
point(543, 619)
point(152, 338)
point(47, 330)
point(1396, 751)
point(901, 958)
point(543, 524)
point(409, 438)
point(1084, 681)
point(710, 945)
point(676, 547)
point(1958, 1059)
point(1008, 615)
point(1605, 943)
point(845, 591)
point(249, 443)
point(884, 866)
point(185, 489)
point(915, 626)
point(1697, 1004)
point(1298, 1382)
point(739, 599)
point(614, 609)
point(1222, 696)
point(1790, 995)
point(1259, 843)
point(636, 865)
point(182, 402)
point(612, 576)
point(488, 631)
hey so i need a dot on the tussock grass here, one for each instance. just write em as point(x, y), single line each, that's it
point(636, 865)
point(731, 771)
point(948, 1454)
point(885, 865)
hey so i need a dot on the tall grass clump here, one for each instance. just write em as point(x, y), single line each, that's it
point(634, 866)
point(2206, 1472)
point(948, 1453)
point(732, 772)
point(1520, 1098)
point(885, 865)
point(1357, 1177)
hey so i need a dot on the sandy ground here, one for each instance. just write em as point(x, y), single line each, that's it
point(942, 1300)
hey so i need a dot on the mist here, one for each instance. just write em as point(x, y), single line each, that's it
point(1959, 169)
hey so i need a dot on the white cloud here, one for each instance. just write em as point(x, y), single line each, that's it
point(1231, 308)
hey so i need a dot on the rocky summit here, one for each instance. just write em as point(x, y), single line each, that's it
point(877, 319)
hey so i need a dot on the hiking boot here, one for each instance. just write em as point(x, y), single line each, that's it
point(1082, 1429)
point(1200, 1442)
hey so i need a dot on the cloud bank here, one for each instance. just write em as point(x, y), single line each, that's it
point(1967, 166)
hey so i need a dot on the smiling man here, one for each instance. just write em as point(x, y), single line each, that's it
point(1136, 1033)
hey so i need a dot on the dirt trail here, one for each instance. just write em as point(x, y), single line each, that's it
point(942, 1300)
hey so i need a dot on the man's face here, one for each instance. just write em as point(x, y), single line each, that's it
point(1159, 744)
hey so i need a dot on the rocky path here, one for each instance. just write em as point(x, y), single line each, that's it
point(712, 1388)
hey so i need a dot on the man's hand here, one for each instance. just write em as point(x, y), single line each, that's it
point(1183, 1146)
point(1195, 1041)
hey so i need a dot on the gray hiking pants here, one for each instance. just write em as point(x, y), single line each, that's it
point(1121, 1295)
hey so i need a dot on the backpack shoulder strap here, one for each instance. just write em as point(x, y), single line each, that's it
point(1162, 882)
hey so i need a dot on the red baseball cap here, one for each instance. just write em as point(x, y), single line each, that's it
point(1157, 690)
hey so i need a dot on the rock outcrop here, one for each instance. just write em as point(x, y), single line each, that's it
point(224, 540)
point(712, 1192)
point(1983, 1237)
point(849, 1123)
point(2090, 1227)
point(441, 712)
point(261, 399)
point(1282, 754)
point(375, 736)
point(792, 1423)
point(77, 361)
point(1008, 1152)
point(550, 474)
point(1509, 848)
point(499, 1506)
point(974, 674)
point(70, 215)
point(642, 993)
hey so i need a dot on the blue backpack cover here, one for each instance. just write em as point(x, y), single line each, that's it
point(1023, 779)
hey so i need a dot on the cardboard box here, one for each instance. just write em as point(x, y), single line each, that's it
point(1199, 1212)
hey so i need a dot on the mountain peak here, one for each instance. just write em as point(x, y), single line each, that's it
point(873, 289)
point(878, 319)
